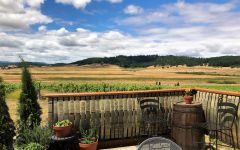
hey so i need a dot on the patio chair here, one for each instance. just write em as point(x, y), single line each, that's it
point(226, 115)
point(152, 121)
point(158, 143)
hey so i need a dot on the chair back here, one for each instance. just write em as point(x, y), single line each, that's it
point(158, 143)
point(227, 112)
point(150, 108)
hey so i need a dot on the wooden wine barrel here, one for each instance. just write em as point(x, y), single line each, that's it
point(184, 116)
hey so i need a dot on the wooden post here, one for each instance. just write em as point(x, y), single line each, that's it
point(50, 111)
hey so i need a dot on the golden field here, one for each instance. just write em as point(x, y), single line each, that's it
point(114, 74)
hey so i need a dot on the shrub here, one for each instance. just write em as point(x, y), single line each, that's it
point(38, 134)
point(29, 110)
point(31, 146)
point(7, 129)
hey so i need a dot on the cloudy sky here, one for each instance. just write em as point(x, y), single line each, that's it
point(70, 30)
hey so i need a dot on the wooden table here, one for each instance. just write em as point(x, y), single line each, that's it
point(184, 116)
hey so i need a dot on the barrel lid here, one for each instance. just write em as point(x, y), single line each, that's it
point(183, 104)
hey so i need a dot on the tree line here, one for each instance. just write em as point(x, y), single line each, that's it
point(155, 60)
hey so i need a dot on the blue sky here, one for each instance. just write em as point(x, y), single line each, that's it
point(70, 30)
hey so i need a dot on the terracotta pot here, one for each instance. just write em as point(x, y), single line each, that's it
point(62, 131)
point(188, 99)
point(92, 146)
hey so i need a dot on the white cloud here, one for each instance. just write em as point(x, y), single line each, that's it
point(42, 29)
point(76, 3)
point(34, 3)
point(67, 46)
point(132, 9)
point(114, 1)
point(21, 14)
point(185, 13)
point(192, 29)
point(110, 1)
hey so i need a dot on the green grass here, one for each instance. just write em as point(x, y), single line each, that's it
point(99, 87)
point(207, 73)
point(221, 81)
point(14, 95)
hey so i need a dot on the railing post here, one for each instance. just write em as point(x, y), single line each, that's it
point(50, 111)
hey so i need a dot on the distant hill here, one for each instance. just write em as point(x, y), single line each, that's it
point(18, 64)
point(145, 61)
point(155, 60)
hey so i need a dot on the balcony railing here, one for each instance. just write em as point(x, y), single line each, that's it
point(117, 114)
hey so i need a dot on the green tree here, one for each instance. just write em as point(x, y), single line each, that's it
point(29, 110)
point(7, 129)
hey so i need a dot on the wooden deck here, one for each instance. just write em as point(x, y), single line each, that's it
point(117, 115)
point(123, 148)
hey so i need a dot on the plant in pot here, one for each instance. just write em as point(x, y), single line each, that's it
point(63, 128)
point(188, 98)
point(88, 140)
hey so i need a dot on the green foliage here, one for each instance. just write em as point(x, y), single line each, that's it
point(7, 129)
point(190, 92)
point(87, 136)
point(63, 123)
point(221, 81)
point(29, 110)
point(38, 134)
point(31, 146)
point(11, 87)
point(100, 87)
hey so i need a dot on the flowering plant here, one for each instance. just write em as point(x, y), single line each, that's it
point(189, 92)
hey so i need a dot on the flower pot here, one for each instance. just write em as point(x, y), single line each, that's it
point(92, 146)
point(188, 99)
point(62, 131)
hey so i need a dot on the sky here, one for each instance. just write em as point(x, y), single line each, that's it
point(63, 31)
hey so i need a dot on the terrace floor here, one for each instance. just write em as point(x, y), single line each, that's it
point(135, 148)
point(123, 148)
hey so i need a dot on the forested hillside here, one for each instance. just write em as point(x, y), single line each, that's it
point(154, 60)
point(147, 60)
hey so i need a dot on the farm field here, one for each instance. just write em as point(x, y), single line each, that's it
point(198, 75)
point(224, 78)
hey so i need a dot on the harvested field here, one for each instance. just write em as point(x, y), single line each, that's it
point(198, 75)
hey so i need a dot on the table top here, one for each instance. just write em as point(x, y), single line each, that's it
point(55, 138)
point(194, 104)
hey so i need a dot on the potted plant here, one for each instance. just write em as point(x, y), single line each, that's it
point(88, 141)
point(188, 98)
point(63, 128)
